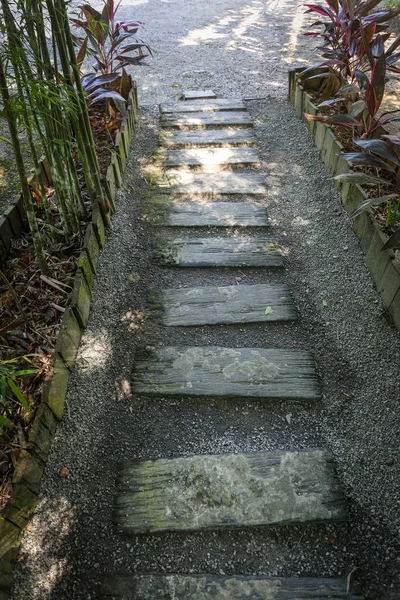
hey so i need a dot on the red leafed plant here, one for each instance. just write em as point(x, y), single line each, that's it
point(363, 113)
point(111, 44)
point(352, 38)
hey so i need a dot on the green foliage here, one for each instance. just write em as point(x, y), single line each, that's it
point(10, 373)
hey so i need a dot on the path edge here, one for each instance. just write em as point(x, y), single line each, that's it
point(383, 266)
point(29, 470)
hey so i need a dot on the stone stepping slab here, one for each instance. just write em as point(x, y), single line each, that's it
point(222, 252)
point(214, 587)
point(231, 372)
point(226, 137)
point(231, 491)
point(203, 106)
point(229, 304)
point(211, 157)
point(198, 95)
point(181, 182)
point(198, 120)
point(215, 214)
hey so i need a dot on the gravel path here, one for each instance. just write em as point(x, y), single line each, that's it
point(237, 51)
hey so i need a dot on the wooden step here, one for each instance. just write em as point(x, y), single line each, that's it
point(229, 304)
point(214, 184)
point(203, 105)
point(231, 372)
point(215, 214)
point(222, 252)
point(227, 137)
point(198, 120)
point(211, 157)
point(231, 491)
point(214, 587)
point(198, 95)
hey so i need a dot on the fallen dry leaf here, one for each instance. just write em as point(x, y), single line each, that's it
point(29, 526)
point(63, 472)
point(333, 541)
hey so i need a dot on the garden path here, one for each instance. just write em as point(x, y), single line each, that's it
point(73, 548)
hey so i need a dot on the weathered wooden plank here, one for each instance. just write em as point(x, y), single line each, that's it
point(222, 252)
point(231, 372)
point(203, 105)
point(213, 587)
point(198, 95)
point(228, 304)
point(181, 182)
point(198, 120)
point(211, 157)
point(228, 491)
point(216, 214)
point(227, 137)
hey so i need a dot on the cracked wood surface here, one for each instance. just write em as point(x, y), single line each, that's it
point(232, 372)
point(228, 491)
point(222, 252)
point(208, 137)
point(229, 304)
point(214, 587)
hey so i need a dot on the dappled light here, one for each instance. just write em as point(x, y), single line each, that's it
point(96, 351)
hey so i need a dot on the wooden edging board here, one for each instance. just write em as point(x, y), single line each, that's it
point(384, 267)
point(28, 473)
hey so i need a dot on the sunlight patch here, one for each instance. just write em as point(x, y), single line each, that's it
point(96, 350)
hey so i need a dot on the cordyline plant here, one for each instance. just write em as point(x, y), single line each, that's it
point(363, 113)
point(111, 44)
point(362, 117)
point(351, 38)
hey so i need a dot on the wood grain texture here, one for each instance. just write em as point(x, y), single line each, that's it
point(181, 182)
point(198, 95)
point(222, 252)
point(231, 372)
point(212, 587)
point(226, 137)
point(216, 214)
point(198, 120)
point(228, 491)
point(203, 105)
point(229, 304)
point(211, 157)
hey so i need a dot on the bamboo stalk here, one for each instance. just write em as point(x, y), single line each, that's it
point(26, 194)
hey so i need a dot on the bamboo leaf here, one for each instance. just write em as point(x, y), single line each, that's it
point(20, 397)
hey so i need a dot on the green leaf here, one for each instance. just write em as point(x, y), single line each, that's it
point(357, 108)
point(361, 178)
point(4, 422)
point(324, 303)
point(20, 397)
point(269, 310)
point(349, 90)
